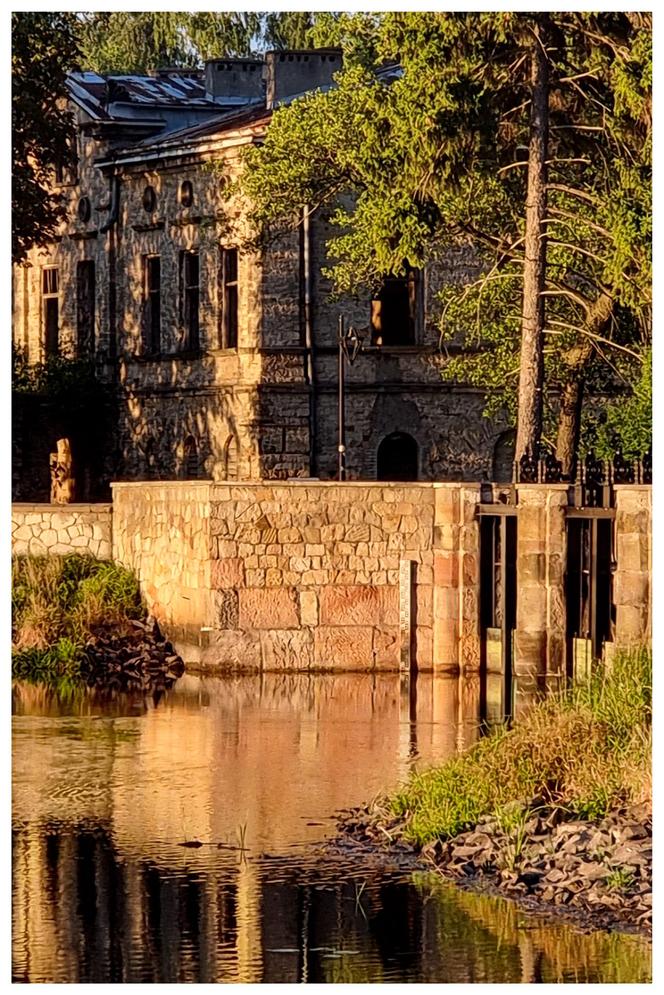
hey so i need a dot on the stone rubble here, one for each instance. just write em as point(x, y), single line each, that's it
point(599, 874)
point(136, 660)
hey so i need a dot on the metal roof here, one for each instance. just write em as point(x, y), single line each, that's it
point(176, 88)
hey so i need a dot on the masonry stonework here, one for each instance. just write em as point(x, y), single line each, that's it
point(44, 530)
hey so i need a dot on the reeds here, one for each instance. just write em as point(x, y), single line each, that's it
point(57, 602)
point(587, 751)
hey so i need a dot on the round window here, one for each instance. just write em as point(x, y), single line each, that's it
point(84, 209)
point(149, 199)
point(186, 193)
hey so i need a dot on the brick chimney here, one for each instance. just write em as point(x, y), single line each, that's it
point(297, 71)
point(238, 80)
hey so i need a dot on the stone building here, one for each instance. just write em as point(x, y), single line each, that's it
point(224, 360)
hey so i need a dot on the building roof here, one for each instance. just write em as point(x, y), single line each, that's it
point(174, 88)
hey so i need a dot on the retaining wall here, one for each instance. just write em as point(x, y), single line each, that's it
point(41, 529)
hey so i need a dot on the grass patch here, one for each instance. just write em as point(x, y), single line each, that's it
point(588, 751)
point(57, 603)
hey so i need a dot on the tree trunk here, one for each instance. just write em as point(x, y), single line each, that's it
point(571, 399)
point(531, 376)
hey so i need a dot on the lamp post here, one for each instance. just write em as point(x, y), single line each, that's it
point(350, 345)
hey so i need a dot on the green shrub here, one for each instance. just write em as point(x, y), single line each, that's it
point(57, 602)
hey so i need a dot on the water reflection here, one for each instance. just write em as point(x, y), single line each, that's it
point(105, 791)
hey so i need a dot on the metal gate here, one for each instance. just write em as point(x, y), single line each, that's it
point(588, 587)
point(498, 533)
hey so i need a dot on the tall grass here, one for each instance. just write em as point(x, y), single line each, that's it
point(588, 751)
point(57, 602)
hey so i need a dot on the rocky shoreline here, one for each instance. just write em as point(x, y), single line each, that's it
point(595, 874)
point(137, 658)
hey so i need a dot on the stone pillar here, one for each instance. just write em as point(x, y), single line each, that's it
point(539, 643)
point(631, 583)
point(456, 587)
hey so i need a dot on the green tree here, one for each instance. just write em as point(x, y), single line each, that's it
point(44, 50)
point(437, 164)
point(135, 42)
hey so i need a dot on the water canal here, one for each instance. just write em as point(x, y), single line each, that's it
point(253, 768)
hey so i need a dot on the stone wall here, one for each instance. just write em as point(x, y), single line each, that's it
point(42, 529)
point(632, 582)
point(310, 575)
point(162, 532)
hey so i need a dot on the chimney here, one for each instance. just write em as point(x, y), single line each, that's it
point(235, 81)
point(293, 72)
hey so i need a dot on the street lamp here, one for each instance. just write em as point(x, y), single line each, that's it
point(350, 345)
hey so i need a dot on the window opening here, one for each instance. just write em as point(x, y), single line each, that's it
point(51, 310)
point(394, 310)
point(228, 298)
point(190, 462)
point(149, 199)
point(186, 193)
point(189, 275)
point(152, 303)
point(85, 307)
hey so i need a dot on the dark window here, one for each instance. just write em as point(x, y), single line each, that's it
point(85, 307)
point(84, 209)
point(228, 299)
point(190, 467)
point(149, 199)
point(186, 193)
point(394, 310)
point(50, 311)
point(152, 304)
point(189, 299)
point(397, 458)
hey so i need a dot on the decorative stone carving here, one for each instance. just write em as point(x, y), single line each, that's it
point(62, 478)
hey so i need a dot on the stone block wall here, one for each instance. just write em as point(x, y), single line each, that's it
point(43, 529)
point(306, 576)
point(309, 575)
point(632, 582)
point(162, 533)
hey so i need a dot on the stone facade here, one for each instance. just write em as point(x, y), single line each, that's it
point(41, 530)
point(264, 406)
point(309, 575)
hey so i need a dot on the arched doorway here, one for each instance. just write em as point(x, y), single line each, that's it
point(397, 458)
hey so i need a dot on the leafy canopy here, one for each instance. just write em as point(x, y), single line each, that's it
point(44, 50)
point(426, 163)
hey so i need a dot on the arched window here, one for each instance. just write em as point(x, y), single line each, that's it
point(397, 458)
point(231, 468)
point(190, 465)
point(186, 193)
point(503, 457)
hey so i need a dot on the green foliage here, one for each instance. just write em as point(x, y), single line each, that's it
point(136, 42)
point(430, 169)
point(627, 425)
point(587, 751)
point(44, 50)
point(57, 602)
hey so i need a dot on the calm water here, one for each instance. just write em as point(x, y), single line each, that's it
point(253, 768)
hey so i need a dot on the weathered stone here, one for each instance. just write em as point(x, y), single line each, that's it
point(276, 608)
point(309, 608)
point(343, 648)
point(226, 609)
point(227, 573)
point(358, 605)
point(286, 649)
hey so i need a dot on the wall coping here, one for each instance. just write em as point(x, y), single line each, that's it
point(46, 507)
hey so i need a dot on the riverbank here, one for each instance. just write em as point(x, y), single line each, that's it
point(556, 812)
point(78, 619)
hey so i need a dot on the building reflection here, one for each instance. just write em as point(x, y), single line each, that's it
point(105, 794)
